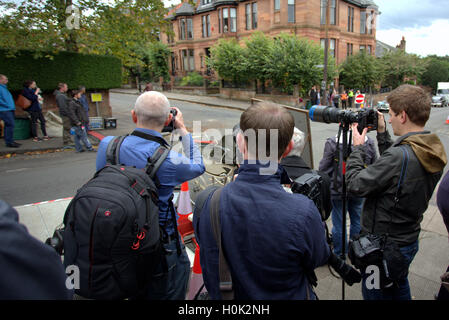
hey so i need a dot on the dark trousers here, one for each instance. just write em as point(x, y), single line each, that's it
point(8, 119)
point(37, 116)
point(66, 126)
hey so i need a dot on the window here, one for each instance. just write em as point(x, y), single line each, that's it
point(188, 60)
point(369, 50)
point(183, 32)
point(362, 48)
point(254, 15)
point(170, 38)
point(219, 20)
point(349, 48)
point(225, 20)
point(189, 29)
point(332, 11)
point(331, 46)
point(291, 10)
point(182, 29)
point(206, 26)
point(370, 23)
point(185, 61)
point(362, 22)
point(191, 60)
point(233, 14)
point(248, 16)
point(277, 5)
point(251, 15)
point(206, 1)
point(350, 19)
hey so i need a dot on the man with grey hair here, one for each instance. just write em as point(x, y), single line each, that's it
point(296, 167)
point(151, 114)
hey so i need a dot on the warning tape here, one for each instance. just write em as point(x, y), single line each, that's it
point(45, 202)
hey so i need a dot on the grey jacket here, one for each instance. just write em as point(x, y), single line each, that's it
point(62, 101)
point(379, 183)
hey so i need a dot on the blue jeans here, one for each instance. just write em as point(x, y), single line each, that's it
point(399, 291)
point(9, 120)
point(354, 207)
point(81, 136)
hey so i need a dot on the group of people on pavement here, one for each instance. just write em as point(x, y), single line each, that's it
point(256, 240)
point(73, 110)
point(345, 99)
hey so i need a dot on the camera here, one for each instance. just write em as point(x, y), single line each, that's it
point(309, 185)
point(57, 241)
point(366, 117)
point(171, 126)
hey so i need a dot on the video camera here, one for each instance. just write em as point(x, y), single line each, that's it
point(366, 117)
point(309, 185)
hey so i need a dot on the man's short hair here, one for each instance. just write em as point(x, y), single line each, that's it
point(299, 142)
point(152, 108)
point(61, 85)
point(263, 117)
point(413, 100)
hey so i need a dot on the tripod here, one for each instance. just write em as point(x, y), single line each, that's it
point(346, 151)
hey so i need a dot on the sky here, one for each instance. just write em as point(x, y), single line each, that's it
point(423, 23)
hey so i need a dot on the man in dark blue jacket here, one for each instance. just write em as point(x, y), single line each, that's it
point(7, 109)
point(271, 239)
point(30, 269)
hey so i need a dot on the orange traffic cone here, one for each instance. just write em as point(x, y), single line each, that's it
point(447, 120)
point(185, 226)
point(196, 284)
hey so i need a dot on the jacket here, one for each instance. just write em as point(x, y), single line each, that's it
point(379, 184)
point(443, 199)
point(269, 236)
point(76, 113)
point(6, 100)
point(328, 164)
point(30, 95)
point(62, 101)
point(30, 269)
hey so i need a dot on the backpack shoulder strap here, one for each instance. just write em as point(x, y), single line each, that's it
point(226, 289)
point(156, 160)
point(113, 150)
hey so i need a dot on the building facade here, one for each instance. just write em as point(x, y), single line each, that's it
point(195, 29)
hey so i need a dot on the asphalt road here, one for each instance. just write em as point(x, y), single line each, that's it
point(29, 179)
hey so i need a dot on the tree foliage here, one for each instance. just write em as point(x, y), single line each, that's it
point(437, 70)
point(360, 71)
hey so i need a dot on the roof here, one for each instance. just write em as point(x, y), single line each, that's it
point(382, 48)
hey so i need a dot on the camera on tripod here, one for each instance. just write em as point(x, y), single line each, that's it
point(366, 117)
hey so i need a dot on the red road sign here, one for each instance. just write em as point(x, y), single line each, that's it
point(360, 98)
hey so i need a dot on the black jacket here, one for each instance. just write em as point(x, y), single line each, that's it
point(29, 268)
point(296, 167)
point(76, 113)
point(62, 101)
point(379, 183)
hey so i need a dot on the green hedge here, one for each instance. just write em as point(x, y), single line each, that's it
point(92, 71)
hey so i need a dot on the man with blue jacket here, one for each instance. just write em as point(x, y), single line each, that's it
point(7, 108)
point(272, 239)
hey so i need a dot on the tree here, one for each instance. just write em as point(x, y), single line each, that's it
point(437, 70)
point(258, 52)
point(229, 60)
point(359, 71)
point(296, 62)
point(396, 66)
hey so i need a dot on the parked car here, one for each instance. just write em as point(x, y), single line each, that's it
point(383, 106)
point(440, 101)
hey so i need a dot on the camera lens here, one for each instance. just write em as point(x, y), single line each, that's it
point(325, 114)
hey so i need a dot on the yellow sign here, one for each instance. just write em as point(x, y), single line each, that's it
point(96, 97)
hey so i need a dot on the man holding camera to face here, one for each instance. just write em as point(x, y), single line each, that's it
point(151, 114)
point(272, 240)
point(397, 187)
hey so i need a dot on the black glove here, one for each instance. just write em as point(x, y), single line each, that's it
point(348, 273)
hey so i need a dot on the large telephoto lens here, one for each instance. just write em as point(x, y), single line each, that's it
point(325, 114)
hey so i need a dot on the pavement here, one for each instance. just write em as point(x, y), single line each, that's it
point(430, 262)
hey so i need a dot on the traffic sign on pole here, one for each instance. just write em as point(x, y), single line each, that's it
point(360, 98)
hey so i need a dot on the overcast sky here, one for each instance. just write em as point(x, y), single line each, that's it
point(423, 23)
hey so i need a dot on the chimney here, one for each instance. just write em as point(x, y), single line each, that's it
point(402, 44)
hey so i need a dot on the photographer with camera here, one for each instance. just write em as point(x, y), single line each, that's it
point(331, 164)
point(272, 240)
point(397, 188)
point(151, 114)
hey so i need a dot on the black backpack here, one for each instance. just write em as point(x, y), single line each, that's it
point(112, 230)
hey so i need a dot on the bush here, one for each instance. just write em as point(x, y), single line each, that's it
point(192, 79)
point(92, 71)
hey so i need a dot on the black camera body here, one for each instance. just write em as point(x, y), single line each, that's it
point(309, 185)
point(57, 241)
point(171, 126)
point(366, 117)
